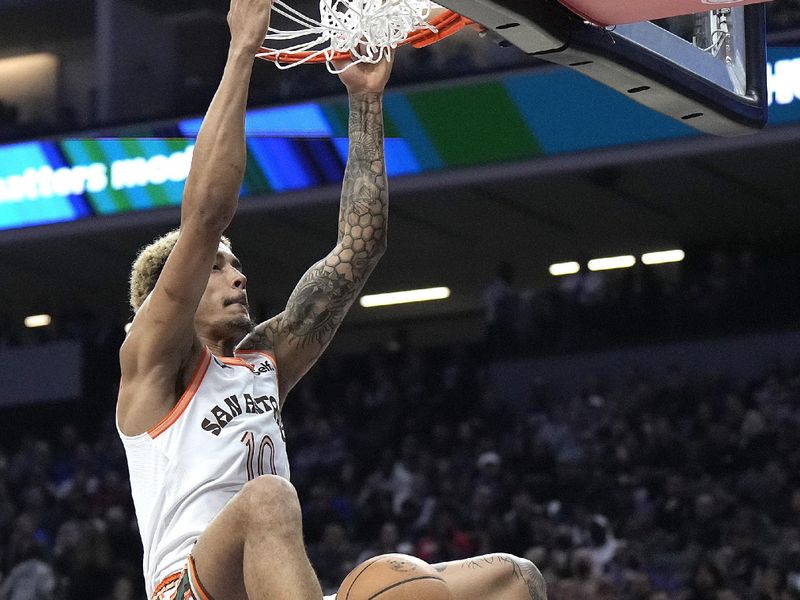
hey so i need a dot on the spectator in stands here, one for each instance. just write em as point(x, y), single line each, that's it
point(502, 312)
point(334, 556)
point(583, 295)
point(388, 542)
point(32, 578)
point(9, 117)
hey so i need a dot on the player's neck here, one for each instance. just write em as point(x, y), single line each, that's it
point(220, 347)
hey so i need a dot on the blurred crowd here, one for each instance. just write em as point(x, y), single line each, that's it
point(714, 291)
point(682, 488)
point(66, 521)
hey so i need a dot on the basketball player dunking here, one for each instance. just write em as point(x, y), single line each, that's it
point(202, 387)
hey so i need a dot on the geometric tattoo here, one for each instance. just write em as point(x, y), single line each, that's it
point(325, 293)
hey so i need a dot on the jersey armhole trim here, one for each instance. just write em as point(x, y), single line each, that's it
point(269, 355)
point(234, 361)
point(185, 398)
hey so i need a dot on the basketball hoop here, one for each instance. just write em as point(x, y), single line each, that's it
point(357, 31)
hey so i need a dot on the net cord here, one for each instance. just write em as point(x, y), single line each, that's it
point(367, 30)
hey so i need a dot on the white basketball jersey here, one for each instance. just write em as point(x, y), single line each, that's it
point(224, 430)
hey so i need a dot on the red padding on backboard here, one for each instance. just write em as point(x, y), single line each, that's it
point(617, 12)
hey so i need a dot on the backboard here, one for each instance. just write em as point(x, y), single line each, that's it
point(706, 69)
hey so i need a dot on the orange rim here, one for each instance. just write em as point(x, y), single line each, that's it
point(447, 23)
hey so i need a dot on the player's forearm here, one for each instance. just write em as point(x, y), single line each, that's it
point(218, 162)
point(364, 208)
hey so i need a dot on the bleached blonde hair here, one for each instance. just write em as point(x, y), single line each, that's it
point(148, 266)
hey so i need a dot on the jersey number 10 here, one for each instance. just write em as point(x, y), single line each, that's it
point(256, 467)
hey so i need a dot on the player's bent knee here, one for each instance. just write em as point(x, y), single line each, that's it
point(272, 488)
point(270, 500)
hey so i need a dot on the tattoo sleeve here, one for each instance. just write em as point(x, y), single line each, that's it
point(324, 294)
point(364, 190)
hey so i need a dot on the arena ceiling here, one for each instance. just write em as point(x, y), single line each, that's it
point(451, 228)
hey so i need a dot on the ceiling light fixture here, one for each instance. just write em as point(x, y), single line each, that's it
point(38, 321)
point(612, 262)
point(565, 268)
point(406, 297)
point(660, 258)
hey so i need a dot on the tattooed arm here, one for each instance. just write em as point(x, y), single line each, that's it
point(493, 577)
point(316, 308)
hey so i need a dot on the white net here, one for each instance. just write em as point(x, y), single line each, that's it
point(366, 29)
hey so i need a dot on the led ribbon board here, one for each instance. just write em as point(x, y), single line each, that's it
point(304, 146)
point(131, 174)
point(38, 187)
point(291, 148)
point(783, 80)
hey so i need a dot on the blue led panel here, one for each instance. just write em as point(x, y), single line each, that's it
point(783, 80)
point(299, 120)
point(37, 186)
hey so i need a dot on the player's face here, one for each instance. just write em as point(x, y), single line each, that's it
point(224, 308)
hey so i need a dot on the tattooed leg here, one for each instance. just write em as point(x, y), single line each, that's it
point(493, 577)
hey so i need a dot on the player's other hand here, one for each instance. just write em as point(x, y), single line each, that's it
point(248, 21)
point(366, 77)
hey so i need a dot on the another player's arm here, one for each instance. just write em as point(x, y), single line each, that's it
point(319, 303)
point(162, 336)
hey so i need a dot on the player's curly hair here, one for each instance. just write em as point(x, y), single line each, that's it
point(148, 266)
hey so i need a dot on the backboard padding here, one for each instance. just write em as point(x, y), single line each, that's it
point(605, 12)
